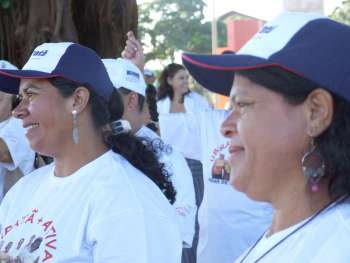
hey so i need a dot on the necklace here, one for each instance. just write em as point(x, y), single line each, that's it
point(329, 206)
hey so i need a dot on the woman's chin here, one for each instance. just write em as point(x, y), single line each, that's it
point(237, 181)
point(240, 183)
point(40, 149)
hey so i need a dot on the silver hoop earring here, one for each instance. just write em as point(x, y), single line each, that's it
point(313, 167)
point(75, 127)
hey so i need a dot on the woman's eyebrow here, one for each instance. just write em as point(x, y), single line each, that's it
point(30, 86)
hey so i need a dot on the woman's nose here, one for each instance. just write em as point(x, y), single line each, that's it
point(20, 111)
point(229, 125)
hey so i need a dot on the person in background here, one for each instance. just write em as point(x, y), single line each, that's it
point(150, 78)
point(289, 133)
point(153, 116)
point(105, 198)
point(229, 221)
point(174, 94)
point(151, 99)
point(241, 221)
point(128, 80)
point(16, 156)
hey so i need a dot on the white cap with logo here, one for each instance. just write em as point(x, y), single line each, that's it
point(4, 64)
point(148, 73)
point(124, 74)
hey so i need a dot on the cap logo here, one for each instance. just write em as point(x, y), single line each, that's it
point(40, 53)
point(267, 29)
point(132, 76)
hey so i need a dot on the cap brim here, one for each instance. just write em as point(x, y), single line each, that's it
point(10, 79)
point(216, 72)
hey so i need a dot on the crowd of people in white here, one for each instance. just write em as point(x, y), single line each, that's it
point(99, 165)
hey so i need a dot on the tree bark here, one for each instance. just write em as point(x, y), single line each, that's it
point(100, 25)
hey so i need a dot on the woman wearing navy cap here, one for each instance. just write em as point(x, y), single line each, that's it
point(289, 133)
point(91, 204)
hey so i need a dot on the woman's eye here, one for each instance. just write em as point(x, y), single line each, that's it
point(26, 96)
point(242, 104)
point(29, 95)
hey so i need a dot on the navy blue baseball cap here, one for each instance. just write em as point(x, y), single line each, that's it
point(67, 60)
point(309, 45)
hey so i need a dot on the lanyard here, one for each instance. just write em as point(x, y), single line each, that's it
point(324, 209)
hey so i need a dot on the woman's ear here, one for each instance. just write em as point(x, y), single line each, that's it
point(319, 105)
point(80, 99)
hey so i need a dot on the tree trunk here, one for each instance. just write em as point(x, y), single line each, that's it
point(100, 25)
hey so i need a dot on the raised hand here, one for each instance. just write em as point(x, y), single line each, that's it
point(133, 51)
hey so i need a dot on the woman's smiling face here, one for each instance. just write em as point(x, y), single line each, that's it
point(267, 139)
point(45, 115)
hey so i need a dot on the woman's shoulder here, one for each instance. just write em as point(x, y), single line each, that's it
point(123, 176)
point(196, 96)
point(36, 175)
point(163, 105)
point(337, 215)
point(163, 100)
point(30, 182)
point(342, 212)
point(129, 188)
point(198, 100)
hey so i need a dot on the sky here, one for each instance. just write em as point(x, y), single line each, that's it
point(262, 9)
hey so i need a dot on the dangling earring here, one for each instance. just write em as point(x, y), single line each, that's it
point(75, 127)
point(313, 167)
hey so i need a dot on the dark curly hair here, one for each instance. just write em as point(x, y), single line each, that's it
point(130, 147)
point(164, 88)
point(151, 98)
point(333, 144)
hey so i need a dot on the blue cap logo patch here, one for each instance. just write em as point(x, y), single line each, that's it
point(132, 76)
point(40, 53)
point(267, 29)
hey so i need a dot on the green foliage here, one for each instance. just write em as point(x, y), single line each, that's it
point(173, 25)
point(342, 14)
point(4, 4)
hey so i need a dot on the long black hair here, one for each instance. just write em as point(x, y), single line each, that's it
point(333, 144)
point(126, 144)
point(164, 88)
point(151, 98)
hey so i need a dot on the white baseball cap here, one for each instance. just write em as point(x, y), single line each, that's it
point(124, 74)
point(309, 45)
point(66, 60)
point(148, 73)
point(4, 64)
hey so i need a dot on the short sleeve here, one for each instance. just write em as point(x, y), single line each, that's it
point(22, 155)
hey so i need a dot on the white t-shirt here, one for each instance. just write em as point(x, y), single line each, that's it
point(107, 211)
point(182, 136)
point(13, 134)
point(325, 239)
point(181, 178)
point(193, 103)
point(229, 221)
